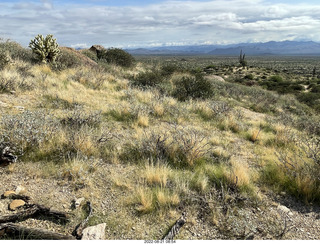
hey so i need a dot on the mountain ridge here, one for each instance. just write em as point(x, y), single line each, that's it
point(266, 48)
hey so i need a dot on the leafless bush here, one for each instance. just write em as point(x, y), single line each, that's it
point(78, 118)
point(178, 145)
point(219, 108)
point(310, 146)
point(26, 130)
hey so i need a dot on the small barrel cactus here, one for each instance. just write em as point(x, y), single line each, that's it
point(46, 49)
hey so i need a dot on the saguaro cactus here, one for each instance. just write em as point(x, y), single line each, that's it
point(242, 61)
point(46, 49)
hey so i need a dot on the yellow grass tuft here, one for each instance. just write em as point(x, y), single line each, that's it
point(143, 120)
point(156, 174)
point(166, 199)
point(144, 200)
point(240, 173)
point(158, 109)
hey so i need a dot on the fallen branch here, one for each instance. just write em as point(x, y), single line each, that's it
point(78, 231)
point(176, 227)
point(17, 196)
point(20, 232)
point(33, 211)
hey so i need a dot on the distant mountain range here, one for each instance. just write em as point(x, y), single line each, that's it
point(268, 48)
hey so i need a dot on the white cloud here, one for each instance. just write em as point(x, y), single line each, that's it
point(80, 45)
point(178, 22)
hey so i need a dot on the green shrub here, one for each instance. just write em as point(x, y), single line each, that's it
point(67, 59)
point(195, 87)
point(249, 77)
point(151, 78)
point(92, 55)
point(4, 59)
point(311, 99)
point(116, 56)
point(169, 69)
point(16, 51)
point(46, 49)
point(315, 89)
point(276, 78)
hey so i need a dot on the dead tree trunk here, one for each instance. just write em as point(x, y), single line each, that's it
point(20, 232)
point(34, 210)
point(80, 227)
point(176, 227)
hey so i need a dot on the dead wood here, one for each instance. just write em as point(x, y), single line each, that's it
point(34, 211)
point(17, 196)
point(176, 227)
point(20, 232)
point(78, 231)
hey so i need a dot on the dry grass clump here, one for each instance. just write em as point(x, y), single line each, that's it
point(156, 174)
point(144, 200)
point(149, 200)
point(77, 172)
point(199, 182)
point(240, 174)
point(16, 78)
point(297, 168)
point(179, 146)
point(164, 198)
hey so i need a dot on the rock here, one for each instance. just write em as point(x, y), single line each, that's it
point(285, 210)
point(216, 78)
point(8, 194)
point(96, 48)
point(94, 232)
point(20, 108)
point(21, 190)
point(16, 204)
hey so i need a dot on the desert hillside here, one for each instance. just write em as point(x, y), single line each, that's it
point(235, 146)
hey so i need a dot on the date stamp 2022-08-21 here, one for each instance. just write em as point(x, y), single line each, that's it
point(160, 241)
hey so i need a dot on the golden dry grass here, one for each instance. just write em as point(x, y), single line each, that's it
point(156, 174)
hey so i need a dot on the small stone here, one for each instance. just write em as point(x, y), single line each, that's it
point(284, 209)
point(16, 204)
point(8, 194)
point(133, 228)
point(96, 232)
point(20, 108)
point(20, 190)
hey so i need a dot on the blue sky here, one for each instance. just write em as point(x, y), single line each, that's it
point(124, 23)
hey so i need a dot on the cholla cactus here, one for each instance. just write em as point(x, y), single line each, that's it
point(47, 49)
